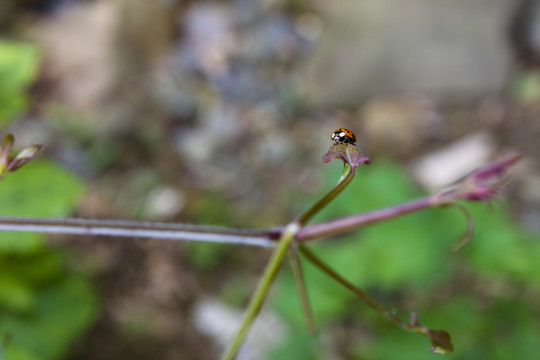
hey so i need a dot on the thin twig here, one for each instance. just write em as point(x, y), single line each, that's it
point(144, 229)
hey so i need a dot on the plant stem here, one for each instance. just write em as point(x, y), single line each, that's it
point(346, 177)
point(346, 224)
point(287, 237)
point(126, 228)
point(301, 288)
point(439, 338)
point(368, 300)
point(466, 237)
point(262, 289)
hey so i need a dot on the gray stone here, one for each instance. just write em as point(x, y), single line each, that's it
point(368, 47)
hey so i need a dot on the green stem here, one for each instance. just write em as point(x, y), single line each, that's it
point(439, 338)
point(287, 237)
point(346, 177)
point(301, 289)
point(466, 237)
point(368, 300)
point(263, 287)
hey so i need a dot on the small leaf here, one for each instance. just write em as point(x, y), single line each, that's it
point(441, 340)
point(11, 163)
point(24, 157)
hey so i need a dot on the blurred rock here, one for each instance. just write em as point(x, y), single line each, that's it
point(220, 322)
point(529, 176)
point(525, 33)
point(209, 34)
point(236, 51)
point(454, 161)
point(446, 47)
point(526, 181)
point(399, 124)
point(164, 202)
point(145, 31)
point(273, 148)
point(6, 12)
point(218, 126)
point(274, 36)
point(78, 51)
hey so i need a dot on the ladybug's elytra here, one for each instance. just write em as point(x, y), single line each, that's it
point(344, 135)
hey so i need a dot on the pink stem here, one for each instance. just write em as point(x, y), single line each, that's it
point(346, 224)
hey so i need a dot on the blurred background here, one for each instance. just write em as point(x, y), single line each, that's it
point(218, 112)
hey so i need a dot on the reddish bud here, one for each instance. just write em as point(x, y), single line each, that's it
point(11, 163)
point(482, 184)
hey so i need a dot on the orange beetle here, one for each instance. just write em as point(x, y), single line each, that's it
point(344, 135)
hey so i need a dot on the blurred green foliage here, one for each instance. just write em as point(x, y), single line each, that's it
point(526, 87)
point(41, 189)
point(205, 256)
point(18, 68)
point(479, 294)
point(44, 305)
point(212, 208)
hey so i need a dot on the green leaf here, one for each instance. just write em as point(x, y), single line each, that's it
point(63, 311)
point(15, 294)
point(499, 248)
point(298, 346)
point(44, 308)
point(19, 275)
point(17, 353)
point(42, 189)
point(327, 298)
point(18, 68)
point(206, 256)
point(36, 268)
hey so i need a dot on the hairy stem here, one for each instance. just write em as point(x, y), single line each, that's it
point(262, 289)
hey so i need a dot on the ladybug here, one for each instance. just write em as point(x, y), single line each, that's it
point(343, 135)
